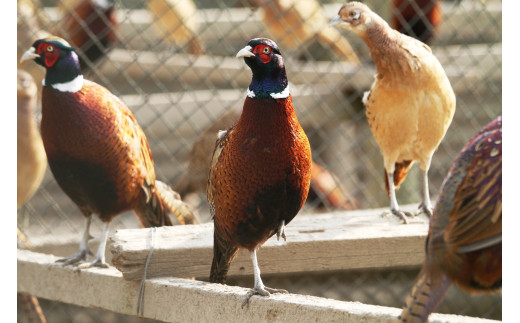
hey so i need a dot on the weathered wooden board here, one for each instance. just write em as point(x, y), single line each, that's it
point(332, 241)
point(182, 300)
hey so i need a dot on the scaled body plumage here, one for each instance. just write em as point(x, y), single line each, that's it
point(260, 171)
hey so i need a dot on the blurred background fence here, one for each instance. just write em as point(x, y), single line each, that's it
point(173, 63)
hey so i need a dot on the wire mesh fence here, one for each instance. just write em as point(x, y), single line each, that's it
point(172, 62)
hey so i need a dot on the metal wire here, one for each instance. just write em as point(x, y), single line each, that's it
point(176, 94)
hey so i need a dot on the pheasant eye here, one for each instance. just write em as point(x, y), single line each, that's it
point(50, 48)
point(354, 14)
point(263, 52)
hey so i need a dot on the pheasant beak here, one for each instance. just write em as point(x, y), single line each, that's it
point(29, 54)
point(245, 52)
point(336, 20)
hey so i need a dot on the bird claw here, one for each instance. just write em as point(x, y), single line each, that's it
point(276, 291)
point(75, 258)
point(96, 262)
point(423, 209)
point(399, 213)
point(265, 291)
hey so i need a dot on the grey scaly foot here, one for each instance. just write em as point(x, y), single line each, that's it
point(265, 291)
point(399, 213)
point(424, 209)
point(81, 255)
point(96, 262)
point(84, 250)
point(99, 259)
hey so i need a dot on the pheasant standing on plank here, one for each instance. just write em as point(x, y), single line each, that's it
point(464, 243)
point(96, 150)
point(261, 168)
point(91, 27)
point(417, 18)
point(410, 104)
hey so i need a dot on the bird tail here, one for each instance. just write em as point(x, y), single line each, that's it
point(153, 213)
point(223, 255)
point(400, 172)
point(31, 308)
point(426, 294)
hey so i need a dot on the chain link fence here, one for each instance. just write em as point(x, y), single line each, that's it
point(173, 63)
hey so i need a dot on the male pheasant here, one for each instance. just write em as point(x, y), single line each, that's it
point(464, 243)
point(96, 150)
point(261, 167)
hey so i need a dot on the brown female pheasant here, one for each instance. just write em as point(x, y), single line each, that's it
point(410, 104)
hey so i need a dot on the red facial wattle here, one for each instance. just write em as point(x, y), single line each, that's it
point(50, 53)
point(264, 52)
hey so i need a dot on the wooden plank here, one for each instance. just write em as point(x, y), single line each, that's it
point(331, 241)
point(182, 300)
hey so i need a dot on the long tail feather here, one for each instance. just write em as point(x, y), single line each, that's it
point(223, 255)
point(31, 308)
point(425, 296)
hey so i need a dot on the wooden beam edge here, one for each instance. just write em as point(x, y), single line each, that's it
point(326, 242)
point(182, 300)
